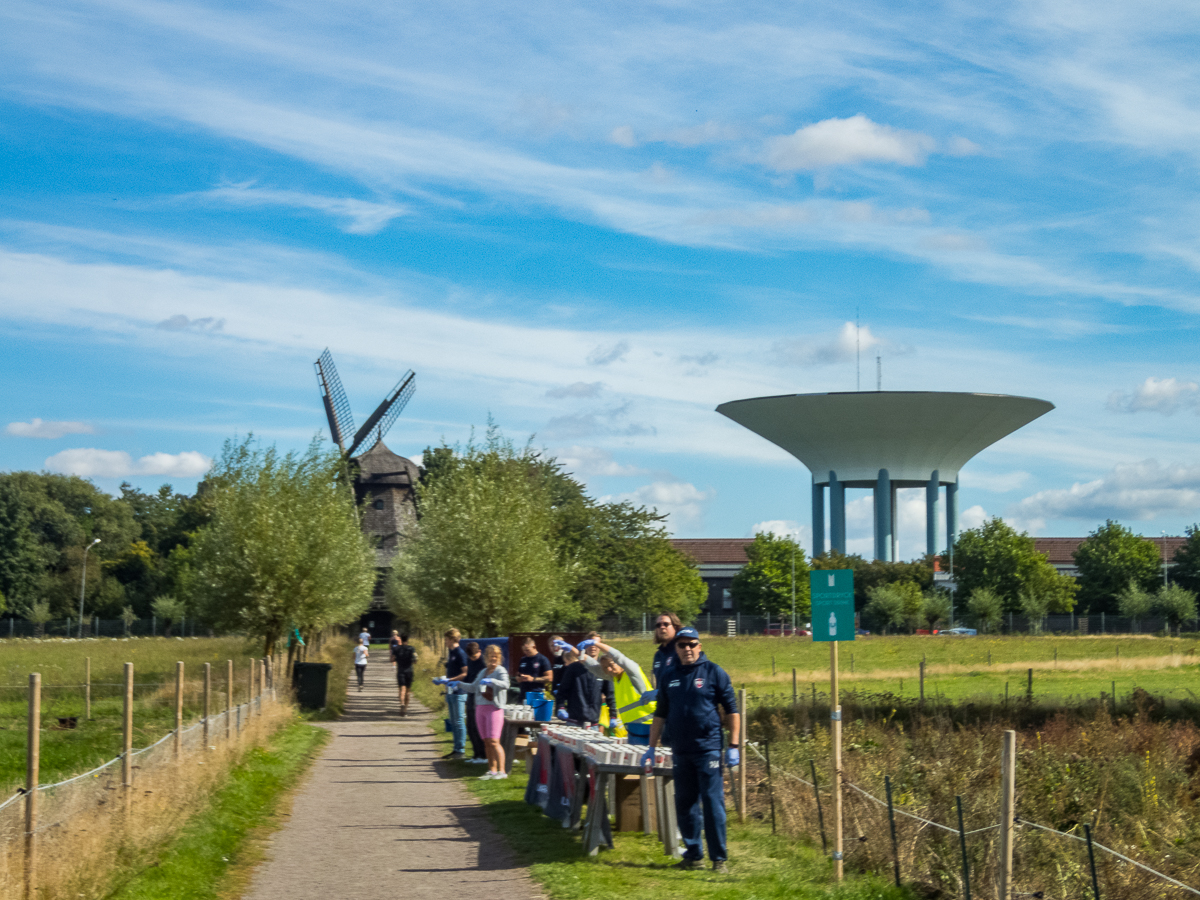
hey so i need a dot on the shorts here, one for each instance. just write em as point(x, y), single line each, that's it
point(490, 721)
point(404, 677)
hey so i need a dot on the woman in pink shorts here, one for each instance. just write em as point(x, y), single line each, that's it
point(491, 684)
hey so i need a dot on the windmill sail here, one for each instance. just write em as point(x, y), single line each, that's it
point(387, 412)
point(337, 406)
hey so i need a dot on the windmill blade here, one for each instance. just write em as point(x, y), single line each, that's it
point(387, 411)
point(337, 407)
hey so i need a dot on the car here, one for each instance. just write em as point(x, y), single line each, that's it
point(959, 632)
point(784, 631)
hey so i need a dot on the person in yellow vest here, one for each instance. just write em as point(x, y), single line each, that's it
point(630, 687)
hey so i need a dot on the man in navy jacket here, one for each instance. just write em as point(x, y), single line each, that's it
point(692, 694)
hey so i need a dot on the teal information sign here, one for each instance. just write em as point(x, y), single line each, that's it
point(832, 593)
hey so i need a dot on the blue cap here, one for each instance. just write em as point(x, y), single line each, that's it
point(688, 632)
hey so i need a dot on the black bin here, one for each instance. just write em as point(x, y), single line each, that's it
point(310, 680)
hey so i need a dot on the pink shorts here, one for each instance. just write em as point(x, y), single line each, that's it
point(490, 722)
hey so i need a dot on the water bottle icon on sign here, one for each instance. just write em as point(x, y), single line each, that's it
point(833, 624)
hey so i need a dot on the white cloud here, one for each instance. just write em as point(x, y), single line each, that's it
point(680, 501)
point(849, 340)
point(972, 517)
point(788, 528)
point(1140, 490)
point(358, 216)
point(622, 136)
point(842, 142)
point(609, 422)
point(960, 146)
point(93, 463)
point(591, 461)
point(578, 390)
point(602, 356)
point(50, 430)
point(1161, 395)
point(179, 322)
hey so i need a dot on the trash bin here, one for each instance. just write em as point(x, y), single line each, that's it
point(310, 681)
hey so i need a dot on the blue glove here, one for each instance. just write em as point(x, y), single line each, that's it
point(562, 646)
point(648, 758)
point(649, 696)
point(562, 714)
point(583, 645)
point(453, 687)
point(733, 756)
point(485, 682)
point(439, 680)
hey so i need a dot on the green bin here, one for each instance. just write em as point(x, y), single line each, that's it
point(310, 680)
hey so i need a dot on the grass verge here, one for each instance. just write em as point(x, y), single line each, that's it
point(213, 854)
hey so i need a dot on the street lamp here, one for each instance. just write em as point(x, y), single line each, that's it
point(83, 583)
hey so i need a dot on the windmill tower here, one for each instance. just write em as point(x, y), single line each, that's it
point(384, 482)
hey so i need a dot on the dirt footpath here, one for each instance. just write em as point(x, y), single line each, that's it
point(381, 817)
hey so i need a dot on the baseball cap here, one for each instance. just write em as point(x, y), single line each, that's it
point(688, 632)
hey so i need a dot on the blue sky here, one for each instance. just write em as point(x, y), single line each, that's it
point(597, 224)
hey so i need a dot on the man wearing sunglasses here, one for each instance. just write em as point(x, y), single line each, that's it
point(692, 695)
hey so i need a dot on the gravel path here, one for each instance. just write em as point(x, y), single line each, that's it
point(381, 817)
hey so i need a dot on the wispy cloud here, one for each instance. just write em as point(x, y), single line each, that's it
point(579, 390)
point(1140, 490)
point(846, 142)
point(93, 463)
point(1160, 395)
point(680, 501)
point(36, 428)
point(357, 216)
point(850, 341)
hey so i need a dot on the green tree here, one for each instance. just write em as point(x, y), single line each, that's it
point(38, 613)
point(168, 610)
point(128, 617)
point(764, 586)
point(1176, 604)
point(1186, 570)
point(1034, 606)
point(871, 572)
point(987, 608)
point(1108, 560)
point(1135, 602)
point(283, 549)
point(997, 557)
point(896, 605)
point(935, 609)
point(486, 556)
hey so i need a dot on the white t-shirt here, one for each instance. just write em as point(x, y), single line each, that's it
point(360, 655)
point(365, 637)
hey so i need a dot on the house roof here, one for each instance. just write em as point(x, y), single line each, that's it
point(1060, 550)
point(729, 551)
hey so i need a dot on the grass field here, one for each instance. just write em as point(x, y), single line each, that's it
point(67, 751)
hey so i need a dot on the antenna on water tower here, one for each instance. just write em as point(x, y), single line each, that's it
point(879, 373)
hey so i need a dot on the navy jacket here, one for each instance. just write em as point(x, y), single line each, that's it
point(665, 658)
point(688, 698)
point(579, 693)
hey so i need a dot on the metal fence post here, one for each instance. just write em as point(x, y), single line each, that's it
point(812, 766)
point(1008, 803)
point(962, 843)
point(33, 752)
point(887, 786)
point(1087, 831)
point(741, 775)
point(178, 709)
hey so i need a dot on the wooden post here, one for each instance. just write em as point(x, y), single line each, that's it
point(770, 784)
point(127, 738)
point(270, 671)
point(851, 663)
point(887, 786)
point(741, 773)
point(836, 725)
point(1029, 686)
point(250, 691)
point(772, 666)
point(207, 701)
point(178, 709)
point(812, 766)
point(921, 701)
point(795, 698)
point(263, 686)
point(228, 699)
point(87, 687)
point(1008, 801)
point(962, 846)
point(33, 758)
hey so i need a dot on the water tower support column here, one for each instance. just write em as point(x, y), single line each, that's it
point(931, 514)
point(818, 518)
point(883, 516)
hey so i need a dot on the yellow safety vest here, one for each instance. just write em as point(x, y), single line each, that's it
point(630, 707)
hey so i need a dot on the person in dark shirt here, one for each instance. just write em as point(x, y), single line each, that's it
point(533, 671)
point(456, 703)
point(691, 697)
point(665, 626)
point(404, 657)
point(556, 664)
point(475, 665)
point(578, 700)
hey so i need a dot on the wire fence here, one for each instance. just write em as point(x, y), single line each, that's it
point(95, 627)
point(889, 833)
point(57, 837)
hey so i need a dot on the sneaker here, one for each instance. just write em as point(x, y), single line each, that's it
point(478, 761)
point(487, 776)
point(500, 776)
point(457, 754)
point(689, 865)
point(720, 867)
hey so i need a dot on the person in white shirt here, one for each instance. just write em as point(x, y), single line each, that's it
point(365, 637)
point(361, 654)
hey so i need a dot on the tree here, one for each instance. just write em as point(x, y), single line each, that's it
point(996, 557)
point(169, 610)
point(283, 549)
point(896, 605)
point(1108, 560)
point(1176, 604)
point(38, 613)
point(987, 608)
point(1186, 570)
point(128, 617)
point(765, 586)
point(935, 608)
point(485, 557)
point(1135, 602)
point(1034, 605)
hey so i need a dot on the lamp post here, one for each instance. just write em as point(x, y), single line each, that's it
point(83, 583)
point(1164, 557)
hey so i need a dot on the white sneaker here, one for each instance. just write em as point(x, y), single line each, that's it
point(489, 776)
point(478, 761)
point(499, 776)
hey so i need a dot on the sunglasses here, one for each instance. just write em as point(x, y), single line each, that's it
point(690, 645)
point(662, 624)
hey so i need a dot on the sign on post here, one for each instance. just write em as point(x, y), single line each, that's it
point(832, 592)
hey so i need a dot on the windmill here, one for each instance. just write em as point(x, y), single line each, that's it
point(384, 482)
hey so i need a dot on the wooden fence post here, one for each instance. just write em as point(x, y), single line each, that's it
point(87, 687)
point(127, 738)
point(207, 701)
point(250, 691)
point(33, 754)
point(228, 699)
point(921, 701)
point(741, 775)
point(178, 709)
point(1008, 802)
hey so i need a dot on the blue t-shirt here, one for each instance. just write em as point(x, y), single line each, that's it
point(688, 698)
point(536, 666)
point(456, 662)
